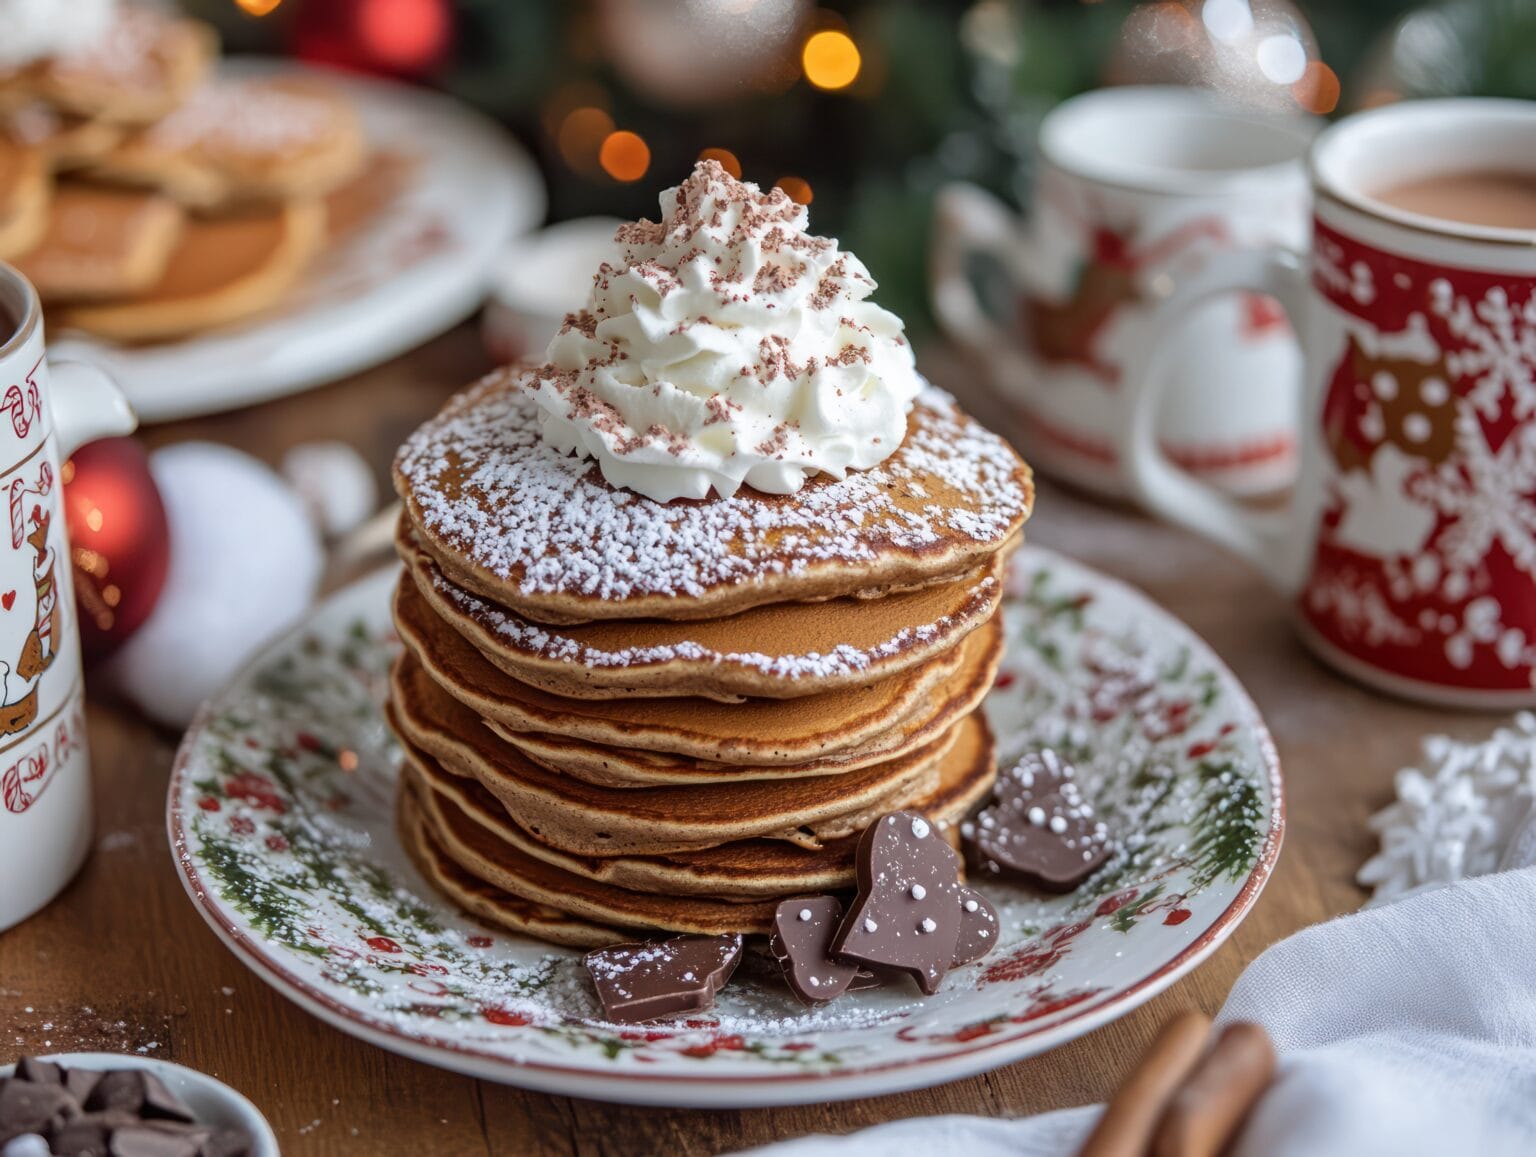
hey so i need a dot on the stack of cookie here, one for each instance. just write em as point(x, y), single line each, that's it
point(625, 715)
point(147, 199)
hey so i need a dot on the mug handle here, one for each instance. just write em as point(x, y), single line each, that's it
point(87, 404)
point(968, 220)
point(1266, 538)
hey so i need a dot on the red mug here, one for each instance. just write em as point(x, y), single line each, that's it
point(1410, 542)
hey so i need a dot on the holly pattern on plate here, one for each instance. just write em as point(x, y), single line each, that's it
point(283, 811)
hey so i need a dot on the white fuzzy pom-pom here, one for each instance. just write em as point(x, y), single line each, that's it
point(245, 563)
point(334, 482)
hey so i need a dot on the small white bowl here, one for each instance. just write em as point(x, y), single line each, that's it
point(213, 1102)
point(539, 279)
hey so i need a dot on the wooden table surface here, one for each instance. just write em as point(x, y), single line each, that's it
point(122, 962)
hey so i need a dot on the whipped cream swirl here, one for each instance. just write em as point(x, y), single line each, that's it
point(727, 346)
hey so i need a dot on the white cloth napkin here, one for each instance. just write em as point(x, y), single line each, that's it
point(1403, 1030)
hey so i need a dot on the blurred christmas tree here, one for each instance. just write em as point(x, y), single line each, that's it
point(863, 106)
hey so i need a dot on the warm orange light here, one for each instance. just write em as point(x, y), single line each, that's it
point(582, 133)
point(727, 160)
point(796, 188)
point(624, 156)
point(258, 7)
point(1318, 89)
point(830, 60)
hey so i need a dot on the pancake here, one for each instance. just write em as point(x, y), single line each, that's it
point(489, 903)
point(102, 243)
point(234, 142)
point(509, 518)
point(581, 818)
point(221, 270)
point(25, 188)
point(762, 731)
point(66, 141)
point(141, 69)
point(486, 856)
point(781, 651)
point(743, 868)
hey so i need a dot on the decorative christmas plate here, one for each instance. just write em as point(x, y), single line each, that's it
point(417, 268)
point(281, 817)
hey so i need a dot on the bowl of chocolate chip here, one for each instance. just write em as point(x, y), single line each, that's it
point(106, 1103)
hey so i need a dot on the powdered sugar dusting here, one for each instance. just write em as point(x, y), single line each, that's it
point(487, 487)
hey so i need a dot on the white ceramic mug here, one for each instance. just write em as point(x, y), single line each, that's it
point(45, 790)
point(1135, 188)
point(1410, 543)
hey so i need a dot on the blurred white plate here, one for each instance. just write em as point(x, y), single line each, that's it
point(419, 268)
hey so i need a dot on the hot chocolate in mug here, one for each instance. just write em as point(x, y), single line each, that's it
point(1135, 188)
point(1410, 542)
point(45, 790)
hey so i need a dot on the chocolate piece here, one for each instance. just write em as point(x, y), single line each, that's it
point(227, 1143)
point(80, 1082)
point(907, 915)
point(802, 942)
point(29, 1108)
point(146, 1141)
point(162, 1104)
point(86, 1136)
point(1039, 826)
point(122, 1091)
point(644, 981)
point(978, 928)
point(39, 1072)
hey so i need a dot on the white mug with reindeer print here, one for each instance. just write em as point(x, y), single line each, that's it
point(45, 790)
point(1135, 189)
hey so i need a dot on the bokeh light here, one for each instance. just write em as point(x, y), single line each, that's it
point(728, 160)
point(406, 34)
point(581, 135)
point(831, 60)
point(1318, 89)
point(798, 189)
point(625, 156)
point(257, 7)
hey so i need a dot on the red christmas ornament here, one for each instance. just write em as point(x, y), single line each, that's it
point(393, 37)
point(118, 538)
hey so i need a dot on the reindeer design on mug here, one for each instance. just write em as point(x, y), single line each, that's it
point(30, 525)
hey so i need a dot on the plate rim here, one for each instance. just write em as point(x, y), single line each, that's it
point(714, 1090)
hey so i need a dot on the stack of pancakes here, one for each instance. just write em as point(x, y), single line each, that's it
point(622, 716)
point(147, 199)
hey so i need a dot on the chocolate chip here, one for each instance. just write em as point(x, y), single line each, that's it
point(907, 915)
point(978, 928)
point(84, 1137)
point(226, 1143)
point(146, 1141)
point(39, 1072)
point(122, 1091)
point(644, 981)
point(162, 1104)
point(801, 942)
point(80, 1082)
point(1039, 827)
point(29, 1108)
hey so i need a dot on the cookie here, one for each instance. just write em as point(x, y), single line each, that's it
point(141, 69)
point(102, 243)
point(222, 270)
point(240, 141)
point(66, 140)
point(25, 185)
